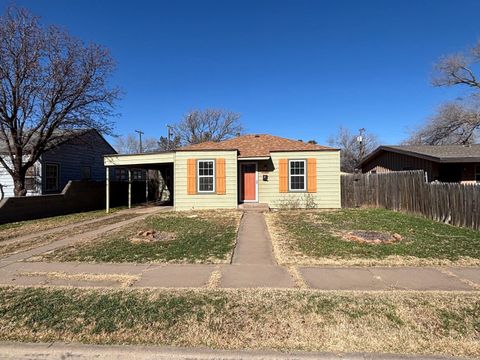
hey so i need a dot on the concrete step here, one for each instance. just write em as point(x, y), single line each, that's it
point(254, 207)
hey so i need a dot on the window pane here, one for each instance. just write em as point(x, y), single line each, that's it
point(297, 167)
point(205, 168)
point(297, 182)
point(206, 184)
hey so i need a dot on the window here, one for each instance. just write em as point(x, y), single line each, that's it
point(206, 175)
point(477, 173)
point(31, 179)
point(51, 177)
point(86, 173)
point(297, 175)
point(121, 174)
point(137, 175)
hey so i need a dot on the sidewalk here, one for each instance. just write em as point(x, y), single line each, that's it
point(16, 351)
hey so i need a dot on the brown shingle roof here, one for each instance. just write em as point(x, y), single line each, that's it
point(437, 153)
point(257, 145)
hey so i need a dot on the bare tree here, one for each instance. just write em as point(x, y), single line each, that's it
point(130, 144)
point(352, 151)
point(207, 125)
point(50, 84)
point(457, 69)
point(454, 122)
point(164, 144)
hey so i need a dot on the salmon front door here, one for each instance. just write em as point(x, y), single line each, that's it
point(248, 182)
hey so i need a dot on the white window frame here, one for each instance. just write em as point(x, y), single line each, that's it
point(304, 175)
point(58, 176)
point(206, 176)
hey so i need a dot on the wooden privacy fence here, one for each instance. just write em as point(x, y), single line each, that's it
point(452, 203)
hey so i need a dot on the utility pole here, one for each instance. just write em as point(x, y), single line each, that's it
point(140, 133)
point(169, 135)
point(361, 144)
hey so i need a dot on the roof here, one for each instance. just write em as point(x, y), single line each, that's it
point(59, 137)
point(436, 153)
point(257, 145)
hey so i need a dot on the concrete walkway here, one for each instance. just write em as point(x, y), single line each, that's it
point(253, 243)
point(253, 266)
point(54, 351)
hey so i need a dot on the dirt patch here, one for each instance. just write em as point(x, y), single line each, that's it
point(370, 237)
point(148, 236)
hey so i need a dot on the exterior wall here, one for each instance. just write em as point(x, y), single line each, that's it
point(328, 180)
point(85, 151)
point(183, 201)
point(6, 181)
point(389, 161)
point(469, 172)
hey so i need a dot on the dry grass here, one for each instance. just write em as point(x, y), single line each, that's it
point(14, 246)
point(308, 238)
point(21, 228)
point(214, 280)
point(125, 280)
point(387, 322)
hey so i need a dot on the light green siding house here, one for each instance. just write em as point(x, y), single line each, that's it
point(248, 169)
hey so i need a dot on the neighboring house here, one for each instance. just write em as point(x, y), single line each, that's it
point(446, 163)
point(261, 169)
point(77, 155)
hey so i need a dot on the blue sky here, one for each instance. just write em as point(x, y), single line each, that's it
point(298, 69)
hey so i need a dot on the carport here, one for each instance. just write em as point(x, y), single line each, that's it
point(162, 162)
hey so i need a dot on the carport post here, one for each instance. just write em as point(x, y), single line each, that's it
point(107, 189)
point(129, 188)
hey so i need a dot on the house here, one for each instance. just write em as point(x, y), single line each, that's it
point(76, 155)
point(257, 169)
point(446, 163)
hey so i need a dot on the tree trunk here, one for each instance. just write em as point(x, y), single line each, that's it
point(19, 176)
point(19, 186)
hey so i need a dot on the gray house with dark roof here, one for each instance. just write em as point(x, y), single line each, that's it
point(446, 163)
point(76, 155)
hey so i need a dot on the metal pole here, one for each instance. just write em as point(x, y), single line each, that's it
point(146, 186)
point(140, 133)
point(129, 188)
point(169, 135)
point(107, 190)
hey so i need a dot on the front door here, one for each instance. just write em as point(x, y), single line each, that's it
point(249, 182)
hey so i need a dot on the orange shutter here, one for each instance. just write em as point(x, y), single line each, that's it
point(283, 175)
point(312, 175)
point(191, 177)
point(220, 176)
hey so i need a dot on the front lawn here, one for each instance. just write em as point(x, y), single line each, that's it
point(317, 237)
point(21, 228)
point(17, 244)
point(383, 322)
point(196, 237)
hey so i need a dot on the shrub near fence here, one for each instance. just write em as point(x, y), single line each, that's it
point(452, 203)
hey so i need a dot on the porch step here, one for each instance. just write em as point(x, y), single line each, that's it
point(254, 207)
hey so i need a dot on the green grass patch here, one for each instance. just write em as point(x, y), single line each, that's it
point(318, 235)
point(417, 323)
point(199, 237)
